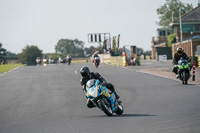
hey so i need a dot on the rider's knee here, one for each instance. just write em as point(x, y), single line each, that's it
point(90, 104)
point(174, 70)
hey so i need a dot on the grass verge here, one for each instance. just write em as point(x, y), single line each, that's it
point(8, 67)
point(78, 61)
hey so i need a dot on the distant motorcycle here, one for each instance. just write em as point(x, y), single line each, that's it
point(184, 70)
point(96, 61)
point(103, 98)
point(69, 61)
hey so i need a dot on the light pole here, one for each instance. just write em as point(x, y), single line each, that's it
point(181, 33)
point(172, 16)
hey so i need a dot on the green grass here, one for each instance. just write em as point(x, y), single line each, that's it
point(8, 67)
point(78, 61)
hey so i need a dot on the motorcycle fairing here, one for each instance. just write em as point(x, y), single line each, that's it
point(93, 91)
point(183, 64)
point(98, 90)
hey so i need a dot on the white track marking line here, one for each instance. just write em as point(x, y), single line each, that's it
point(156, 75)
point(75, 72)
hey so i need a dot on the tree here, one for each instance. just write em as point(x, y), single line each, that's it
point(89, 51)
point(171, 39)
point(11, 56)
point(69, 46)
point(140, 51)
point(2, 54)
point(171, 7)
point(29, 55)
point(147, 53)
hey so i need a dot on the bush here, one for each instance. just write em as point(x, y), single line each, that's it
point(171, 39)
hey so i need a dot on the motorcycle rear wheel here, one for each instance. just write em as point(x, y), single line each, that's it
point(119, 110)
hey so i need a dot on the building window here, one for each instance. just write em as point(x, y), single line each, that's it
point(168, 33)
point(187, 28)
point(196, 28)
point(162, 33)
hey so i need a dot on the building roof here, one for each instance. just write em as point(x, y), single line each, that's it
point(164, 29)
point(191, 16)
point(159, 45)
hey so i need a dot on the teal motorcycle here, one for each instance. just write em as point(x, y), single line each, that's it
point(184, 70)
point(103, 98)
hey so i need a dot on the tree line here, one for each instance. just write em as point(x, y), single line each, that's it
point(64, 47)
point(2, 54)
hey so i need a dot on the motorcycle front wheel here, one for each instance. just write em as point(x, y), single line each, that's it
point(105, 106)
point(185, 77)
point(96, 65)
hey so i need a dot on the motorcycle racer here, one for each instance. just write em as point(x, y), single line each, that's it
point(87, 75)
point(180, 54)
point(95, 55)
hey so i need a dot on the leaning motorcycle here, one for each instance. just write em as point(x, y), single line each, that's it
point(184, 70)
point(103, 98)
point(96, 61)
point(69, 61)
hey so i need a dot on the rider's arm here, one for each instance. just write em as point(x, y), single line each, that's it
point(186, 57)
point(83, 84)
point(98, 76)
point(175, 61)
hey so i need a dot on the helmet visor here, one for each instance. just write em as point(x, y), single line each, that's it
point(84, 74)
point(180, 52)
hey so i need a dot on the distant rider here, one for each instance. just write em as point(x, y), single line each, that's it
point(95, 55)
point(87, 75)
point(180, 54)
point(69, 58)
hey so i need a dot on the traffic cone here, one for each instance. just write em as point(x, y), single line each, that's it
point(124, 59)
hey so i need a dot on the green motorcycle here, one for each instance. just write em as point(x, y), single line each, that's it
point(184, 70)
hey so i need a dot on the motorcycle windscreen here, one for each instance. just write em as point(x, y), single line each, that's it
point(92, 88)
point(96, 58)
point(91, 83)
point(93, 91)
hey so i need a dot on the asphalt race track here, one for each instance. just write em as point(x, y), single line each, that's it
point(49, 99)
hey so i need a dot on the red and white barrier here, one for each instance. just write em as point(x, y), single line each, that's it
point(193, 70)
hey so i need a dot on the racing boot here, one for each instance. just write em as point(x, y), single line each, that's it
point(178, 76)
point(117, 96)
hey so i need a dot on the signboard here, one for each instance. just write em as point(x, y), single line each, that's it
point(162, 58)
point(97, 37)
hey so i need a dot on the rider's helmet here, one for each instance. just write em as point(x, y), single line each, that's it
point(179, 51)
point(68, 56)
point(85, 71)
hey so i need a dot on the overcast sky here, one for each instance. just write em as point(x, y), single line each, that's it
point(44, 22)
